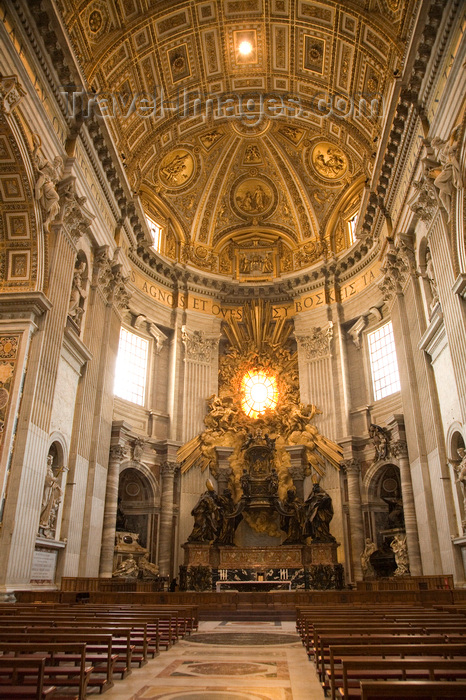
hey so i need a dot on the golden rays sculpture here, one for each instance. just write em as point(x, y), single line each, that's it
point(259, 389)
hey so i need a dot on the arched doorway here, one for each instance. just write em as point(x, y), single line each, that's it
point(384, 516)
point(137, 512)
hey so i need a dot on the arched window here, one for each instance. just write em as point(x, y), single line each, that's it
point(155, 232)
point(352, 228)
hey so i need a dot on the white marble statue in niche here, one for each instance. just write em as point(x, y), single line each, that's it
point(78, 292)
point(460, 471)
point(430, 276)
point(51, 499)
point(449, 178)
point(48, 176)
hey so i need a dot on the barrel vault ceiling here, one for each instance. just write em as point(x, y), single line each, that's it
point(249, 193)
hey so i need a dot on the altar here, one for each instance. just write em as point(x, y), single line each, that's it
point(269, 533)
point(255, 585)
point(311, 566)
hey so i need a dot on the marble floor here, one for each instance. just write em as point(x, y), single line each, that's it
point(227, 661)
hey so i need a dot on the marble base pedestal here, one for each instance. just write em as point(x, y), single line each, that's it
point(312, 566)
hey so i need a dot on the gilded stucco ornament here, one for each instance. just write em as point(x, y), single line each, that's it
point(258, 343)
point(329, 161)
point(253, 197)
point(177, 168)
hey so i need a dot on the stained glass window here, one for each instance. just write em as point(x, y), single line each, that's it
point(259, 392)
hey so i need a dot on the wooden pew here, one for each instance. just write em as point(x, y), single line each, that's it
point(121, 637)
point(65, 663)
point(326, 641)
point(356, 670)
point(13, 673)
point(404, 690)
point(357, 628)
point(383, 651)
point(140, 639)
point(184, 618)
point(99, 651)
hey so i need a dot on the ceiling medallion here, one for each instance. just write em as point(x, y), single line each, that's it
point(329, 161)
point(95, 21)
point(253, 197)
point(177, 168)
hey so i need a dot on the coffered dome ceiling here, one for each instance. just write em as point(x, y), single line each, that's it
point(256, 163)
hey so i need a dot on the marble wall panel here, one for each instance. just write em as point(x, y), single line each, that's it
point(64, 399)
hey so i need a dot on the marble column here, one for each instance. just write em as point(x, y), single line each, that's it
point(399, 450)
point(168, 472)
point(117, 453)
point(353, 469)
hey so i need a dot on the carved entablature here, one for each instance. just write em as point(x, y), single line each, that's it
point(198, 346)
point(317, 344)
point(11, 93)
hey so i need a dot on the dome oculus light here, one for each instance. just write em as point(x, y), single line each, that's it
point(245, 48)
point(259, 392)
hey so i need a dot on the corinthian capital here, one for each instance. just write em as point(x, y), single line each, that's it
point(424, 201)
point(395, 270)
point(169, 469)
point(399, 449)
point(351, 466)
point(198, 346)
point(117, 452)
point(75, 216)
point(318, 343)
point(107, 274)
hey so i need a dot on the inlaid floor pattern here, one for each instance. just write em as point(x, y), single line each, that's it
point(227, 661)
